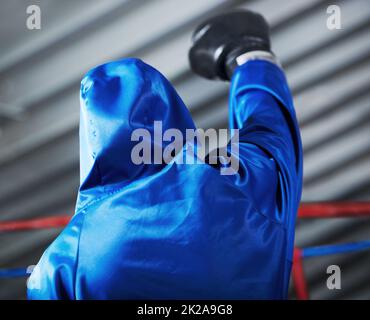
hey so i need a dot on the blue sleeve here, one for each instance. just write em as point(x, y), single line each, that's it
point(261, 108)
point(54, 276)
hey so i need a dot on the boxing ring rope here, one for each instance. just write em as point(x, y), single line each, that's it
point(334, 209)
point(40, 223)
point(306, 210)
point(325, 210)
point(15, 272)
point(299, 279)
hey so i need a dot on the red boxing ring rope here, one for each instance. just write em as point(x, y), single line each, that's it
point(306, 210)
point(334, 209)
point(39, 223)
point(299, 280)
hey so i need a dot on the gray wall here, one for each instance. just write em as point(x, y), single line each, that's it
point(40, 71)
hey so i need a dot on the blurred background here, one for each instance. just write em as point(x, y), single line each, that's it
point(40, 73)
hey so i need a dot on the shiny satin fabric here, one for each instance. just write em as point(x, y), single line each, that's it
point(178, 231)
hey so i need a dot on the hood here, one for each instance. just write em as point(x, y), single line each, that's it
point(117, 98)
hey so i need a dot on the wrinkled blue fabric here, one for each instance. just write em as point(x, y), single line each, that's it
point(178, 231)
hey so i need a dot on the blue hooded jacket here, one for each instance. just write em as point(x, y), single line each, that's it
point(178, 231)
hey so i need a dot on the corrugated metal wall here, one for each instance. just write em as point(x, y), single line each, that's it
point(40, 71)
